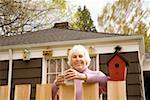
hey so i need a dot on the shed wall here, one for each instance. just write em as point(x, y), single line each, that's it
point(4, 72)
point(26, 72)
point(134, 78)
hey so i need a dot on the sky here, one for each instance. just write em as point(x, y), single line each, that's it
point(96, 6)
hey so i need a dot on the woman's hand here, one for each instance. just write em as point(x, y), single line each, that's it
point(72, 74)
point(59, 79)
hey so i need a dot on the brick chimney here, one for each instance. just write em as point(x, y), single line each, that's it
point(62, 25)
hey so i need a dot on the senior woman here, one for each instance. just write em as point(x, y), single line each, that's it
point(79, 60)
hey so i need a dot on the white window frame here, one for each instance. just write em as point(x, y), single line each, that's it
point(46, 73)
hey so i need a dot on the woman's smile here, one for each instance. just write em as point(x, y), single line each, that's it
point(78, 61)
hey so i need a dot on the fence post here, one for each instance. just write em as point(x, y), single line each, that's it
point(43, 92)
point(116, 90)
point(22, 92)
point(66, 92)
point(4, 93)
point(90, 91)
point(116, 86)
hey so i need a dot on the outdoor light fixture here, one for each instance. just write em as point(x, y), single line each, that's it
point(47, 53)
point(26, 54)
point(68, 50)
point(91, 50)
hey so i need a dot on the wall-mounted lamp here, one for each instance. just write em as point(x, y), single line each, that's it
point(91, 50)
point(26, 54)
point(68, 50)
point(47, 53)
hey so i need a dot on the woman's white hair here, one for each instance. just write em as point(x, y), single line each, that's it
point(80, 49)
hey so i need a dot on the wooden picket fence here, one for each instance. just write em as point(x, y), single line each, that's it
point(43, 92)
point(22, 92)
point(4, 93)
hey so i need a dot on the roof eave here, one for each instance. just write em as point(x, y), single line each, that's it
point(84, 41)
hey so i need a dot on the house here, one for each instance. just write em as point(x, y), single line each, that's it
point(22, 60)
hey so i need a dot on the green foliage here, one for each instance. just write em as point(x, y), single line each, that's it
point(20, 16)
point(60, 3)
point(82, 20)
point(126, 17)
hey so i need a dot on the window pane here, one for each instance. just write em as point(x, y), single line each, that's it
point(52, 65)
point(51, 78)
point(66, 66)
point(58, 65)
point(92, 65)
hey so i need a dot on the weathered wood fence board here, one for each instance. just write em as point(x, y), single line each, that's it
point(116, 90)
point(43, 92)
point(66, 92)
point(90, 91)
point(3, 92)
point(22, 92)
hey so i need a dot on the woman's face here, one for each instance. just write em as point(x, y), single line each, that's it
point(78, 61)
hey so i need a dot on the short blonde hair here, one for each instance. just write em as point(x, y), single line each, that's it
point(82, 49)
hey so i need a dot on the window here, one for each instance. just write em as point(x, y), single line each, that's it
point(56, 66)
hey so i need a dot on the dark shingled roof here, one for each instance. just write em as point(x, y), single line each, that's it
point(51, 35)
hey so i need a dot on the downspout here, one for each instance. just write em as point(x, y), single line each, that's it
point(142, 76)
point(141, 57)
point(10, 72)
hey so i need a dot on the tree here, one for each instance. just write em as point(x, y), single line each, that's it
point(20, 16)
point(82, 20)
point(126, 17)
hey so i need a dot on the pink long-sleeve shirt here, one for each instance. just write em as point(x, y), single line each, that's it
point(92, 77)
